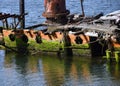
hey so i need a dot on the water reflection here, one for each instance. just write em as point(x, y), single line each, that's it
point(8, 61)
point(21, 64)
point(21, 70)
point(114, 69)
point(76, 72)
point(53, 71)
point(24, 70)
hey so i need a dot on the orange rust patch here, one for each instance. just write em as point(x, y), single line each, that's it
point(55, 36)
point(116, 45)
point(83, 37)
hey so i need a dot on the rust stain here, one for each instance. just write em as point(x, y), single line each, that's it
point(56, 36)
point(53, 7)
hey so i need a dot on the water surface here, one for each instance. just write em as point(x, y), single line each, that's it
point(18, 70)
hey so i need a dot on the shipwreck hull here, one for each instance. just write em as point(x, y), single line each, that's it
point(41, 42)
point(38, 41)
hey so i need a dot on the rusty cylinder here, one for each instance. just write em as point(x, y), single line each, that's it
point(55, 8)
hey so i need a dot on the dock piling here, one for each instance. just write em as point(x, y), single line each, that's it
point(96, 48)
point(67, 42)
point(22, 12)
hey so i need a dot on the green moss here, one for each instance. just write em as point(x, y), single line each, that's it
point(80, 45)
point(45, 45)
point(117, 48)
point(9, 43)
point(81, 52)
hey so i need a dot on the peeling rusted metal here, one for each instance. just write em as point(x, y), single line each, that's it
point(55, 9)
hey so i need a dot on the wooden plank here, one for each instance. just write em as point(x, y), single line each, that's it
point(83, 27)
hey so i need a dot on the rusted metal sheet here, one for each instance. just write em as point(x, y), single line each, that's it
point(54, 8)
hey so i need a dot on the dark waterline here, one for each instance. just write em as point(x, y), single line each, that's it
point(18, 70)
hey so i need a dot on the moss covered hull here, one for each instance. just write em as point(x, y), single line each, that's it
point(38, 42)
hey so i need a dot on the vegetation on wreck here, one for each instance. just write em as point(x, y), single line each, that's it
point(45, 46)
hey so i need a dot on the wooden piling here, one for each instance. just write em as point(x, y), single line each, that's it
point(96, 48)
point(22, 12)
point(6, 22)
point(67, 43)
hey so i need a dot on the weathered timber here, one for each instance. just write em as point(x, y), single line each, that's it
point(9, 48)
point(82, 7)
point(6, 21)
point(66, 39)
point(96, 48)
point(111, 16)
point(22, 11)
point(4, 16)
point(87, 27)
point(35, 26)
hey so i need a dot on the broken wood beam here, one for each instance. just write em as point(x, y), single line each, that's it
point(4, 15)
point(35, 26)
point(86, 27)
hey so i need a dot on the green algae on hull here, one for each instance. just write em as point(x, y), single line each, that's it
point(46, 46)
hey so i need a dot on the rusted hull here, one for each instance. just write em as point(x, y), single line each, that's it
point(57, 36)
